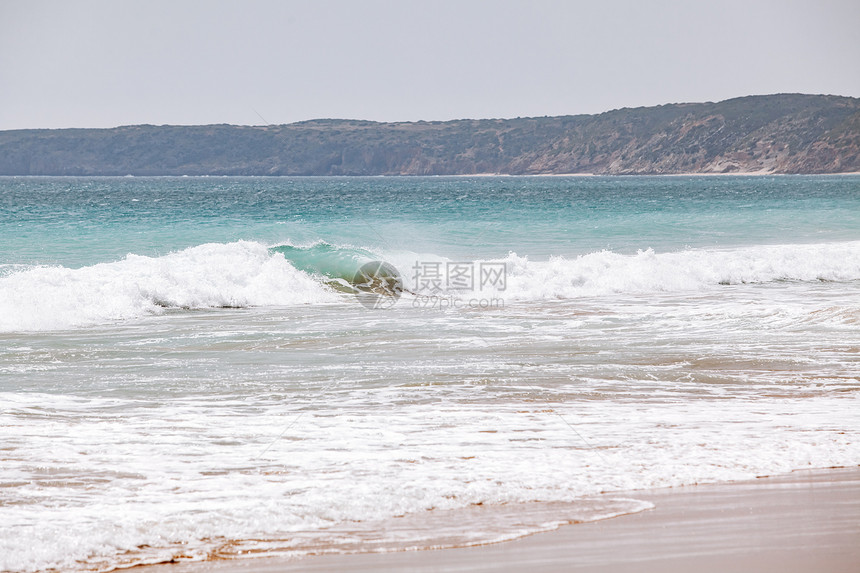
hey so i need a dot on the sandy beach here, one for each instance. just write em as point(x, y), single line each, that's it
point(801, 522)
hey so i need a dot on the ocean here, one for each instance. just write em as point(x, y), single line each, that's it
point(210, 368)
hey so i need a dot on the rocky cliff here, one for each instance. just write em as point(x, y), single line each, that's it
point(785, 133)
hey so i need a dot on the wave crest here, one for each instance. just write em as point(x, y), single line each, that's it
point(606, 272)
point(211, 275)
point(247, 273)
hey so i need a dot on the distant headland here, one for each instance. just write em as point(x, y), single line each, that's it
point(784, 133)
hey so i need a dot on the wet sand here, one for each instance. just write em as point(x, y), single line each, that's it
point(807, 521)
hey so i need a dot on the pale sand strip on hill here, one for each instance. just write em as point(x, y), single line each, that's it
point(806, 522)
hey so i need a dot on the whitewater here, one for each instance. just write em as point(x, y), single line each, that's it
point(189, 368)
point(248, 274)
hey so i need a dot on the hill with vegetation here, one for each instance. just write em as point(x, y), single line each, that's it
point(786, 133)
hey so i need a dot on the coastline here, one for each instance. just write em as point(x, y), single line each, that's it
point(450, 175)
point(808, 520)
point(761, 133)
point(690, 174)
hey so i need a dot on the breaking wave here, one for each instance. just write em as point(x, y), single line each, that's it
point(605, 272)
point(211, 275)
point(245, 273)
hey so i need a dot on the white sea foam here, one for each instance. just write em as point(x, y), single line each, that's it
point(129, 483)
point(210, 275)
point(606, 272)
point(249, 274)
point(192, 442)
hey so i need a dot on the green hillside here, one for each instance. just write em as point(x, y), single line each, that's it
point(787, 133)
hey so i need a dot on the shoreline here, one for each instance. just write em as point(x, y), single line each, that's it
point(453, 175)
point(808, 520)
point(691, 174)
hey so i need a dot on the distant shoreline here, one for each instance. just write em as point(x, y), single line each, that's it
point(457, 175)
point(691, 174)
point(781, 133)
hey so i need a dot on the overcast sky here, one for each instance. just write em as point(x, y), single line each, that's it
point(107, 63)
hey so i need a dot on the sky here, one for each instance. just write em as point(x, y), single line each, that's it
point(254, 62)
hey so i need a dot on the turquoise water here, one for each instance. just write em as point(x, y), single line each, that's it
point(186, 374)
point(77, 222)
